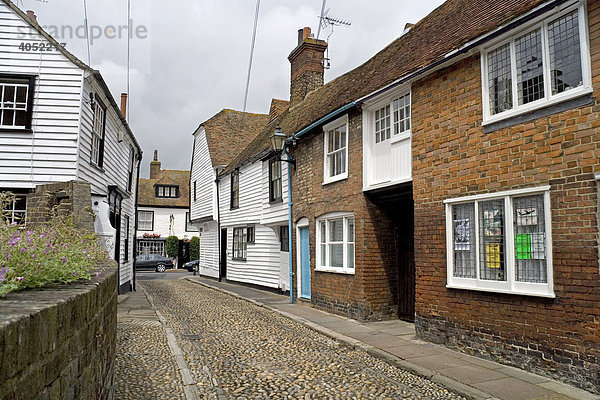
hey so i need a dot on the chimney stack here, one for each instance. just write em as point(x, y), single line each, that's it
point(307, 66)
point(124, 104)
point(155, 166)
point(31, 14)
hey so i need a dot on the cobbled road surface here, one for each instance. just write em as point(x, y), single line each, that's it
point(237, 350)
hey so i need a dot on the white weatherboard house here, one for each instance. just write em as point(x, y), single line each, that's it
point(241, 214)
point(163, 211)
point(58, 123)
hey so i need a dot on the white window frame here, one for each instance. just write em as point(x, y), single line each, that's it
point(326, 218)
point(14, 215)
point(140, 220)
point(14, 106)
point(98, 132)
point(326, 130)
point(145, 246)
point(511, 285)
point(548, 99)
point(239, 253)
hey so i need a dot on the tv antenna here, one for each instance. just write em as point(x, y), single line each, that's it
point(327, 21)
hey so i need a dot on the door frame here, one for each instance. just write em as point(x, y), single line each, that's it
point(302, 223)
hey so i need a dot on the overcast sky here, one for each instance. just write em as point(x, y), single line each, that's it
point(189, 61)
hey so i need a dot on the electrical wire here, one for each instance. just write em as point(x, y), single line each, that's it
point(129, 26)
point(87, 32)
point(251, 53)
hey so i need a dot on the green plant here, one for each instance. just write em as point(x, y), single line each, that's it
point(195, 248)
point(172, 246)
point(55, 252)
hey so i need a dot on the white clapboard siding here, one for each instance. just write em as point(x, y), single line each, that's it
point(48, 154)
point(275, 213)
point(203, 174)
point(262, 262)
point(250, 205)
point(209, 249)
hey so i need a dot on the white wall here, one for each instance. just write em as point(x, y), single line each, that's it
point(275, 213)
point(209, 249)
point(49, 153)
point(203, 174)
point(162, 222)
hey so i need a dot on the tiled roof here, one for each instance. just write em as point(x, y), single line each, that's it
point(169, 177)
point(229, 131)
point(447, 28)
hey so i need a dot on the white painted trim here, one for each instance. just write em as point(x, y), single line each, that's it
point(548, 99)
point(335, 215)
point(332, 125)
point(302, 223)
point(510, 285)
point(386, 184)
point(487, 196)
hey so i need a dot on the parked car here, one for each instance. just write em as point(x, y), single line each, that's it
point(153, 261)
point(192, 265)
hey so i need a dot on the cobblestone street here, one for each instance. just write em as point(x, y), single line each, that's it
point(238, 350)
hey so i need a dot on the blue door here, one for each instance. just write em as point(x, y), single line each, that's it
point(304, 264)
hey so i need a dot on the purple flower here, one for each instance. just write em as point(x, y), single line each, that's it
point(2, 274)
point(98, 274)
point(32, 255)
point(64, 260)
point(76, 273)
point(23, 250)
point(8, 256)
point(20, 278)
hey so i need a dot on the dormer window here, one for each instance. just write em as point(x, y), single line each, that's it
point(171, 192)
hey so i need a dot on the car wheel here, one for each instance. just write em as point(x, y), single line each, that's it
point(161, 268)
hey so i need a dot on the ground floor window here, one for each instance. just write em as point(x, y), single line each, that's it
point(501, 242)
point(335, 243)
point(284, 235)
point(15, 210)
point(240, 243)
point(151, 247)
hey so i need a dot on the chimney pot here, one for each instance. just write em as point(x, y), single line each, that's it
point(155, 166)
point(124, 104)
point(31, 14)
point(305, 32)
point(155, 155)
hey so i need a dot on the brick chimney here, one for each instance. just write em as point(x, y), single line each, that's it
point(124, 104)
point(155, 166)
point(307, 65)
point(31, 14)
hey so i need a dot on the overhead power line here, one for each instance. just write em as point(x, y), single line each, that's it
point(251, 53)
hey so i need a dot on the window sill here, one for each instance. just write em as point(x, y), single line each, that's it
point(276, 201)
point(234, 208)
point(335, 270)
point(238, 259)
point(335, 179)
point(400, 137)
point(541, 293)
point(16, 130)
point(99, 168)
point(565, 101)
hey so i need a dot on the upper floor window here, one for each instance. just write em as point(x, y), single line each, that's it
point(167, 191)
point(98, 129)
point(195, 192)
point(335, 243)
point(131, 166)
point(16, 101)
point(274, 180)
point(235, 189)
point(336, 150)
point(145, 220)
point(392, 118)
point(542, 66)
point(501, 242)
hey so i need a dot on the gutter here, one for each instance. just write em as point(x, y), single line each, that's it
point(320, 121)
point(467, 48)
point(137, 195)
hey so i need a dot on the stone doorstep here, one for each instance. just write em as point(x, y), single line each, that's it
point(444, 366)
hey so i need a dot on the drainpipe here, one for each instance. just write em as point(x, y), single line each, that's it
point(289, 157)
point(218, 224)
point(137, 193)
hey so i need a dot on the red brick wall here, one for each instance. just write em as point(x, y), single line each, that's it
point(453, 157)
point(370, 293)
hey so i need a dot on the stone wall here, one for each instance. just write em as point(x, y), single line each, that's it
point(63, 199)
point(60, 342)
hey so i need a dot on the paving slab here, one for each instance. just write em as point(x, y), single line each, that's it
point(471, 374)
point(512, 389)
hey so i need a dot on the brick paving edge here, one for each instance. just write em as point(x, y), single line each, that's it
point(459, 388)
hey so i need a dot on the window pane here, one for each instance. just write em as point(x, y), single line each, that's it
point(336, 230)
point(22, 94)
point(530, 239)
point(323, 232)
point(323, 255)
point(491, 240)
point(463, 217)
point(350, 229)
point(336, 255)
point(350, 255)
point(499, 80)
point(401, 114)
point(20, 118)
point(9, 96)
point(565, 53)
point(530, 71)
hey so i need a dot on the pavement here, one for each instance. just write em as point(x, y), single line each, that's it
point(395, 342)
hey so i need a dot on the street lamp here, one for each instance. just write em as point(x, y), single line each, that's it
point(278, 145)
